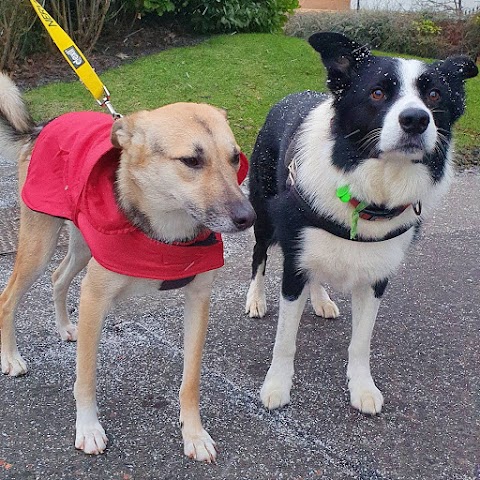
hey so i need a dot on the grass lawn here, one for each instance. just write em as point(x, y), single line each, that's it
point(245, 74)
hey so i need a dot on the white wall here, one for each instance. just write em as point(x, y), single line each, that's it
point(403, 4)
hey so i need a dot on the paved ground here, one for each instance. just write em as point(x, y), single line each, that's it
point(425, 359)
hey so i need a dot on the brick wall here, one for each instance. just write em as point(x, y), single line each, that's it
point(326, 4)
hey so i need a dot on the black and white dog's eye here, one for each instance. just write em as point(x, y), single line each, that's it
point(377, 94)
point(192, 162)
point(434, 95)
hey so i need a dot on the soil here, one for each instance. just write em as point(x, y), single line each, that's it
point(119, 44)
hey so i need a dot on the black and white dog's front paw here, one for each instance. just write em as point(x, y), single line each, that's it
point(365, 396)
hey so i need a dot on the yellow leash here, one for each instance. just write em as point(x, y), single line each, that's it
point(76, 59)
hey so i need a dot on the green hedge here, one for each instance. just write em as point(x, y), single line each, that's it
point(238, 15)
point(223, 16)
point(422, 34)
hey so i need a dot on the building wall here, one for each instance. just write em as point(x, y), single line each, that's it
point(405, 5)
point(326, 4)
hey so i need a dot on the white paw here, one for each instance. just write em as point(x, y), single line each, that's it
point(13, 364)
point(275, 392)
point(326, 309)
point(199, 446)
point(68, 333)
point(365, 396)
point(256, 305)
point(91, 438)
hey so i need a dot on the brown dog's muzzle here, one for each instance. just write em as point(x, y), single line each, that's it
point(242, 214)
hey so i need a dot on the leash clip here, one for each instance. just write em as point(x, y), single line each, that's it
point(105, 102)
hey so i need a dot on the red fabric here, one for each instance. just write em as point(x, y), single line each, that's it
point(71, 175)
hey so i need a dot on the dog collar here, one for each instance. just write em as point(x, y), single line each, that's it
point(374, 213)
point(335, 228)
point(371, 212)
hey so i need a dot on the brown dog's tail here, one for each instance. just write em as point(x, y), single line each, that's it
point(16, 124)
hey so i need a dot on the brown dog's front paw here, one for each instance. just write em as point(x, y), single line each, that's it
point(91, 439)
point(68, 333)
point(13, 364)
point(199, 446)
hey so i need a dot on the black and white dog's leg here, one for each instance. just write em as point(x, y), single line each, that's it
point(364, 394)
point(256, 304)
point(275, 391)
point(322, 304)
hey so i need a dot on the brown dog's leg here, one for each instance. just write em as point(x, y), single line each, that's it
point(38, 238)
point(75, 261)
point(197, 442)
point(100, 289)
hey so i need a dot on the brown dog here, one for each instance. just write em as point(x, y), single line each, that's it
point(175, 180)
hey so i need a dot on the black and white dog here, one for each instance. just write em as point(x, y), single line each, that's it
point(342, 183)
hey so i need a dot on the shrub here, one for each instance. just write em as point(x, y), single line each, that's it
point(472, 35)
point(427, 27)
point(16, 23)
point(21, 32)
point(237, 15)
point(159, 7)
point(420, 33)
point(222, 16)
point(83, 20)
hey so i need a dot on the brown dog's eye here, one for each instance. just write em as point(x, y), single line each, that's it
point(377, 94)
point(192, 162)
point(434, 95)
point(236, 159)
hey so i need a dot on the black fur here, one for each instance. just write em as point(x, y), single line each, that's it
point(265, 183)
point(380, 287)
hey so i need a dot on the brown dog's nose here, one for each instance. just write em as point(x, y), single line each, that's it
point(243, 215)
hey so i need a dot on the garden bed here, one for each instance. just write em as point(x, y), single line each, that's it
point(119, 44)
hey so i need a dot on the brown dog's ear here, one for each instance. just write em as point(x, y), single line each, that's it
point(120, 135)
point(223, 111)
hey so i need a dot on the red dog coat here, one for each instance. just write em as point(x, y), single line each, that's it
point(71, 175)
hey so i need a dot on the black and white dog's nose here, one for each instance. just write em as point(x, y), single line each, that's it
point(414, 120)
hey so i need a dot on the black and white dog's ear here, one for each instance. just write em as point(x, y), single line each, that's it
point(341, 57)
point(454, 71)
point(460, 66)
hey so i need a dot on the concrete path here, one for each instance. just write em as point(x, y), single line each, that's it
point(425, 360)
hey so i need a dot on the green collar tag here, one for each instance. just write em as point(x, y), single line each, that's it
point(343, 193)
point(355, 216)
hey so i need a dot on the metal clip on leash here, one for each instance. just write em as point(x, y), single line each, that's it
point(106, 103)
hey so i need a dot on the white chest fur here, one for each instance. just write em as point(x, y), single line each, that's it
point(344, 263)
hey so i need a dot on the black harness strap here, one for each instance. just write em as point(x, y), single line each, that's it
point(182, 282)
point(333, 227)
point(174, 284)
